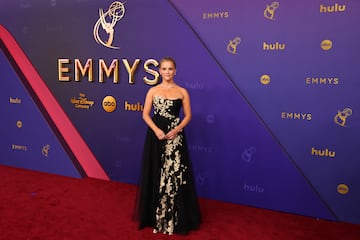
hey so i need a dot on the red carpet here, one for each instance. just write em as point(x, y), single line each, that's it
point(36, 206)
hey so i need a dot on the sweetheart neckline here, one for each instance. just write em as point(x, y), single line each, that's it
point(167, 98)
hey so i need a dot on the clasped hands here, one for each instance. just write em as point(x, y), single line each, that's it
point(168, 136)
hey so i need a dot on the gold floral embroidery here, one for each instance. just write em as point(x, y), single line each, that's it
point(161, 107)
point(172, 173)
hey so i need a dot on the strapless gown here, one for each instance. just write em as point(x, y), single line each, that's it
point(167, 199)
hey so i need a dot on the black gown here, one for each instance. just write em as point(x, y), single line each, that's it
point(166, 198)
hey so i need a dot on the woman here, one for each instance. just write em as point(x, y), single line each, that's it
point(167, 198)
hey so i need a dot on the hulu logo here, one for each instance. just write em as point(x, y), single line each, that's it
point(322, 152)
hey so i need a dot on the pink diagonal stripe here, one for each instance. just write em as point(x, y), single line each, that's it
point(70, 134)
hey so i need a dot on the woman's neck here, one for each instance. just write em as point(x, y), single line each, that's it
point(168, 85)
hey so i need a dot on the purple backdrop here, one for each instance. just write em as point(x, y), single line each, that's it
point(275, 121)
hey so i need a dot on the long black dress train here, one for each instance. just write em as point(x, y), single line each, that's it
point(167, 199)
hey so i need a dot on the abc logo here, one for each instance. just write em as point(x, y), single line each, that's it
point(19, 124)
point(109, 104)
point(326, 45)
point(265, 79)
point(342, 188)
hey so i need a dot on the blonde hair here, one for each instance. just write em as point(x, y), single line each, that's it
point(168, 59)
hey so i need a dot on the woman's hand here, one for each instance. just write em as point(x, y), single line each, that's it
point(160, 134)
point(172, 134)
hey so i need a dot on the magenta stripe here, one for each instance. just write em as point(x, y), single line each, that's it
point(70, 134)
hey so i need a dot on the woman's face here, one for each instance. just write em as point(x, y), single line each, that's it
point(167, 70)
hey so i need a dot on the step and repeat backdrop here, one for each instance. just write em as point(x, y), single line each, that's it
point(273, 86)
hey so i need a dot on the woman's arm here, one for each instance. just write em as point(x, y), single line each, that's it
point(146, 115)
point(187, 115)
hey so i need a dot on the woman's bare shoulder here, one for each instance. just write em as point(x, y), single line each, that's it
point(153, 89)
point(182, 90)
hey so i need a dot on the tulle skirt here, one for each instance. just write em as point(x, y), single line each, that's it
point(166, 198)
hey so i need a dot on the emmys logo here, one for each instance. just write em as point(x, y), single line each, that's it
point(201, 178)
point(248, 153)
point(341, 117)
point(45, 150)
point(107, 21)
point(215, 15)
point(296, 116)
point(269, 12)
point(322, 80)
point(232, 46)
point(201, 148)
